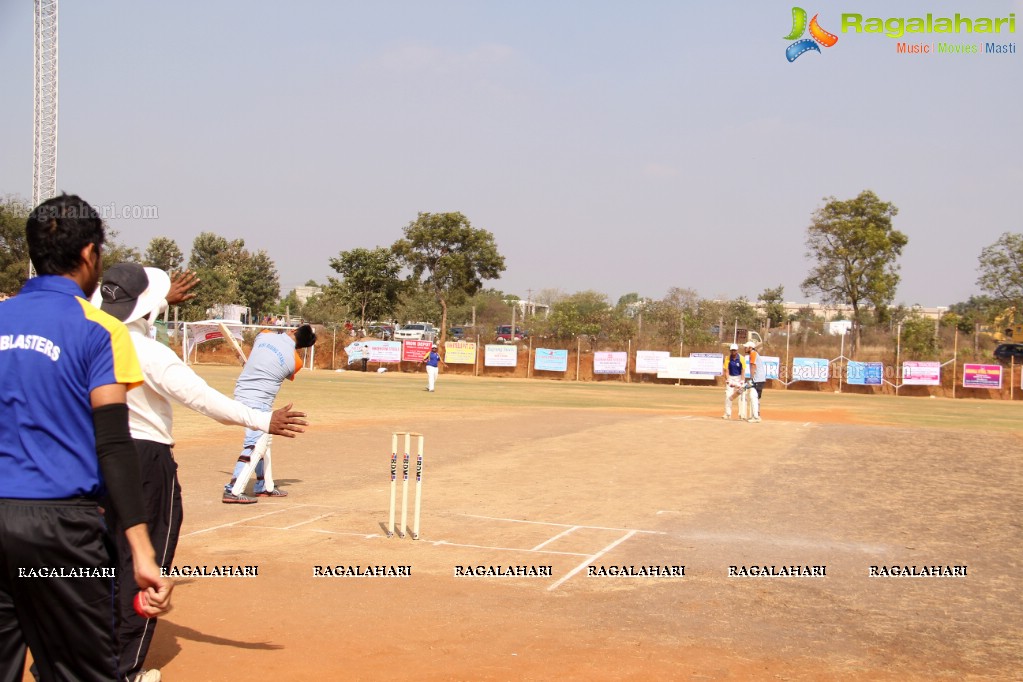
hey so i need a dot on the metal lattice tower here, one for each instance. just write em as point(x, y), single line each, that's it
point(44, 155)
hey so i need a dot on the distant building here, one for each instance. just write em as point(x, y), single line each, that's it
point(530, 308)
point(831, 311)
point(303, 294)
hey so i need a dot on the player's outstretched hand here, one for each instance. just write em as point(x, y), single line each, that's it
point(284, 422)
point(181, 284)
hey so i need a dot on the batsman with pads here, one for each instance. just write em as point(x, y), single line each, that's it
point(735, 378)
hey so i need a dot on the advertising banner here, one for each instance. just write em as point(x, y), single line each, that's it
point(609, 362)
point(647, 361)
point(773, 365)
point(809, 369)
point(711, 364)
point(982, 376)
point(201, 332)
point(864, 373)
point(414, 350)
point(921, 373)
point(357, 350)
point(385, 351)
point(681, 368)
point(460, 353)
point(550, 360)
point(500, 356)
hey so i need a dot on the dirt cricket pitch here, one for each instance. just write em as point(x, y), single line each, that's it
point(605, 475)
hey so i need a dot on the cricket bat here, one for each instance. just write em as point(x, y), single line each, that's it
point(234, 342)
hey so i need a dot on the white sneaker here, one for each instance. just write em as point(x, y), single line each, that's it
point(725, 416)
point(755, 420)
point(148, 676)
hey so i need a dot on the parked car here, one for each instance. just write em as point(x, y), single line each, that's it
point(504, 334)
point(1007, 351)
point(457, 333)
point(381, 331)
point(417, 331)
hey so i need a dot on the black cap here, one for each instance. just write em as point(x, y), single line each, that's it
point(121, 288)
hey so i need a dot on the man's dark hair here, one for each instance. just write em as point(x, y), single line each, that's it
point(57, 230)
point(304, 336)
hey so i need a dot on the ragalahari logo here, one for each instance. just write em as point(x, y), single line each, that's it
point(818, 35)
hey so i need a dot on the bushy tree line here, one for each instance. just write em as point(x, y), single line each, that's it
point(437, 268)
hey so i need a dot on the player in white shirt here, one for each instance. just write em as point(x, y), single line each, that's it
point(136, 295)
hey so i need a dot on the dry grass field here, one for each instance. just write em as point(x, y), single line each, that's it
point(595, 477)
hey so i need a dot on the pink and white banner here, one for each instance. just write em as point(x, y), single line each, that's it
point(982, 376)
point(921, 373)
point(609, 362)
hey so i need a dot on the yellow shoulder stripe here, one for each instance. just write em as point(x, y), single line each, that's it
point(126, 363)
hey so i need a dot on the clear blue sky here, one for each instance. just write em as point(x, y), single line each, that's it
point(616, 146)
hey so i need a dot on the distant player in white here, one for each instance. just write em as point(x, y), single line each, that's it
point(758, 375)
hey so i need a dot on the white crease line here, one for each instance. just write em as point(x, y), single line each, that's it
point(445, 543)
point(556, 537)
point(235, 523)
point(320, 530)
point(591, 560)
point(562, 525)
point(302, 523)
point(808, 424)
point(325, 506)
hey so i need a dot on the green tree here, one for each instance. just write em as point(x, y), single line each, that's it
point(13, 244)
point(289, 305)
point(217, 286)
point(580, 314)
point(216, 261)
point(258, 283)
point(740, 312)
point(855, 250)
point(417, 304)
point(231, 275)
point(973, 311)
point(587, 314)
point(210, 250)
point(1001, 270)
point(487, 308)
point(450, 256)
point(370, 281)
point(115, 252)
point(774, 308)
point(918, 339)
point(163, 253)
point(627, 299)
point(326, 308)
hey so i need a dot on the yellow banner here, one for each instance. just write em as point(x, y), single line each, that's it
point(460, 353)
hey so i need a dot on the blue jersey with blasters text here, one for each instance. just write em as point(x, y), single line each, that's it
point(55, 348)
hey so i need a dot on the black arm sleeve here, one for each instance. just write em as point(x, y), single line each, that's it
point(119, 463)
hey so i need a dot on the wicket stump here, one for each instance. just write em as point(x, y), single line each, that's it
point(404, 484)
